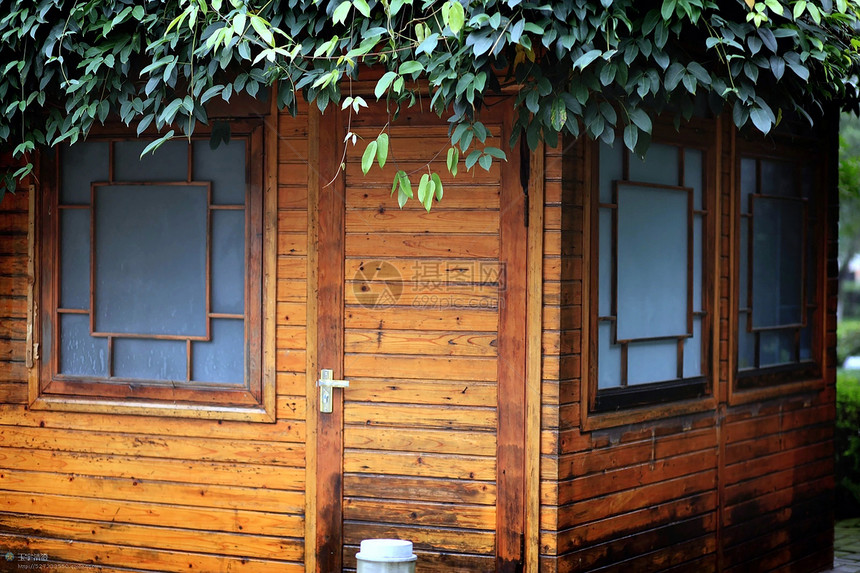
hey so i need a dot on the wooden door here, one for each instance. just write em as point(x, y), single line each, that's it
point(424, 314)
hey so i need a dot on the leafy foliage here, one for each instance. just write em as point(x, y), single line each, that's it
point(847, 443)
point(593, 67)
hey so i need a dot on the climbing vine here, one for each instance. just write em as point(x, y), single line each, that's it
point(596, 68)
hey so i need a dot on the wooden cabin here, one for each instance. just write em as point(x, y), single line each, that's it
point(578, 360)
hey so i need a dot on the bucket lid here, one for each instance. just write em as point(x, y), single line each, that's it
point(386, 551)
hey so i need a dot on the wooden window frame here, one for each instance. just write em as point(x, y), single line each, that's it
point(254, 399)
point(633, 404)
point(770, 381)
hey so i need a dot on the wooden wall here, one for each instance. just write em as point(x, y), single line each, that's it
point(149, 493)
point(740, 488)
point(677, 494)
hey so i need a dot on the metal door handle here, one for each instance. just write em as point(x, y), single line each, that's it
point(325, 384)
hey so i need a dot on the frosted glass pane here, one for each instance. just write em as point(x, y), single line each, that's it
point(652, 362)
point(224, 167)
point(693, 351)
point(743, 266)
point(652, 263)
point(151, 260)
point(228, 262)
point(149, 359)
point(693, 174)
point(608, 358)
point(80, 353)
point(75, 258)
point(777, 178)
point(604, 302)
point(82, 163)
point(168, 163)
point(222, 359)
point(806, 344)
point(748, 183)
point(697, 263)
point(746, 344)
point(777, 262)
point(777, 347)
point(660, 166)
point(611, 169)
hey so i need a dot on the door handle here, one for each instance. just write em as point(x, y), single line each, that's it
point(326, 383)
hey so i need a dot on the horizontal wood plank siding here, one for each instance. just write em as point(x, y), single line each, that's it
point(737, 488)
point(160, 494)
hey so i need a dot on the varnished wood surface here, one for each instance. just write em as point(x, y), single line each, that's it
point(148, 492)
point(735, 487)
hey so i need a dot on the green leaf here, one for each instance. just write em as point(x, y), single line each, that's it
point(341, 12)
point(382, 149)
point(761, 119)
point(410, 67)
point(586, 58)
point(240, 21)
point(774, 6)
point(138, 13)
point(558, 114)
point(673, 76)
point(437, 181)
point(631, 136)
point(383, 83)
point(456, 17)
point(368, 157)
point(641, 119)
point(210, 93)
point(157, 143)
point(453, 160)
point(799, 8)
point(668, 9)
point(485, 161)
point(362, 6)
point(262, 28)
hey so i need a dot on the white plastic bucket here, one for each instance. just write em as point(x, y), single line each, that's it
point(386, 556)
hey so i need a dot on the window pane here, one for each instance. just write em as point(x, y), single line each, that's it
point(609, 358)
point(777, 262)
point(82, 163)
point(168, 163)
point(806, 343)
point(748, 183)
point(151, 260)
point(697, 263)
point(604, 301)
point(224, 167)
point(611, 169)
point(777, 347)
point(221, 359)
point(693, 175)
point(150, 359)
point(777, 178)
point(660, 166)
point(693, 351)
point(652, 362)
point(75, 258)
point(743, 265)
point(652, 263)
point(746, 344)
point(228, 262)
point(80, 353)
